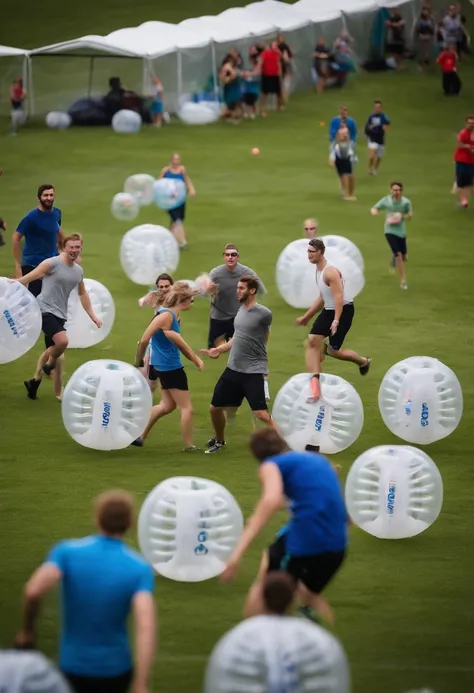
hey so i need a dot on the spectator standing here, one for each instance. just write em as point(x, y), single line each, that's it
point(17, 100)
point(230, 77)
point(102, 581)
point(464, 162)
point(270, 65)
point(251, 84)
point(424, 34)
point(286, 57)
point(452, 28)
point(396, 37)
point(447, 60)
point(321, 64)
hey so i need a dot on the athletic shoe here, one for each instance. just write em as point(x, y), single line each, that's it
point(48, 369)
point(403, 285)
point(363, 370)
point(138, 442)
point(192, 448)
point(218, 445)
point(392, 265)
point(309, 613)
point(32, 387)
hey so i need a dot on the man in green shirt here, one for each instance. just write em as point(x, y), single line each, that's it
point(397, 210)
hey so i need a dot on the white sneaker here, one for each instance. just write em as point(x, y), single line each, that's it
point(403, 285)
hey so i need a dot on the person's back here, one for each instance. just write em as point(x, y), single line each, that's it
point(100, 576)
point(319, 516)
point(165, 355)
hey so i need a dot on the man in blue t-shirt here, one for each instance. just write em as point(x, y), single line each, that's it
point(41, 229)
point(312, 546)
point(375, 128)
point(102, 580)
point(340, 121)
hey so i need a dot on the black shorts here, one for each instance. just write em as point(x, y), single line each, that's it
point(35, 286)
point(464, 175)
point(152, 373)
point(232, 388)
point(343, 167)
point(51, 326)
point(397, 244)
point(271, 84)
point(178, 213)
point(250, 99)
point(322, 325)
point(315, 572)
point(99, 684)
point(219, 329)
point(233, 105)
point(172, 380)
point(396, 48)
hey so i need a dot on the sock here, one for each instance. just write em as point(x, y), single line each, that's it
point(314, 385)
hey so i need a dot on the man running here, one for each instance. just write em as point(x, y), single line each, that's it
point(333, 322)
point(464, 161)
point(244, 377)
point(375, 128)
point(41, 229)
point(59, 275)
point(312, 546)
point(398, 210)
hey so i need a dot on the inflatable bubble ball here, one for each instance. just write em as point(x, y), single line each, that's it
point(198, 114)
point(81, 331)
point(106, 405)
point(126, 122)
point(354, 280)
point(20, 320)
point(124, 207)
point(420, 400)
point(394, 491)
point(274, 653)
point(140, 186)
point(146, 251)
point(56, 120)
point(188, 527)
point(169, 193)
point(345, 247)
point(333, 423)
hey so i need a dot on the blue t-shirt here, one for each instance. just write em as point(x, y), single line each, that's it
point(40, 230)
point(165, 355)
point(319, 517)
point(336, 124)
point(100, 577)
point(376, 133)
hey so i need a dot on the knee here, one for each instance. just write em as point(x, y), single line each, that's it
point(61, 341)
point(168, 408)
point(213, 409)
point(313, 342)
point(187, 411)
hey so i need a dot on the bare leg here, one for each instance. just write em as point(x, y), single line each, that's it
point(166, 406)
point(377, 163)
point(316, 602)
point(60, 345)
point(177, 230)
point(313, 364)
point(58, 377)
point(400, 265)
point(254, 602)
point(347, 355)
point(182, 399)
point(41, 361)
point(263, 105)
point(372, 158)
point(218, 421)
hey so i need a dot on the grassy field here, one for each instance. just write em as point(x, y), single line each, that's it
point(404, 609)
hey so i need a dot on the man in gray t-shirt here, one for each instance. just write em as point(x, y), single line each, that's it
point(244, 377)
point(60, 275)
point(224, 301)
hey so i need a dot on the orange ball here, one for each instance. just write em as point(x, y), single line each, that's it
point(255, 151)
point(322, 124)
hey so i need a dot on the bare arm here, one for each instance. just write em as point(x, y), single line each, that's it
point(333, 279)
point(87, 305)
point(39, 272)
point(42, 581)
point(184, 347)
point(163, 171)
point(189, 183)
point(311, 312)
point(16, 248)
point(60, 239)
point(144, 616)
point(163, 321)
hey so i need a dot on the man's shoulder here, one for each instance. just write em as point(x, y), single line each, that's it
point(73, 545)
point(263, 310)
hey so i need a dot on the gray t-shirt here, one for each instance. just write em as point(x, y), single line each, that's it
point(57, 285)
point(225, 304)
point(248, 353)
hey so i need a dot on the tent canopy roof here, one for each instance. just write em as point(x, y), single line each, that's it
point(6, 51)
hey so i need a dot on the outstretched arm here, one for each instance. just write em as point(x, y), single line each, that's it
point(311, 312)
point(39, 272)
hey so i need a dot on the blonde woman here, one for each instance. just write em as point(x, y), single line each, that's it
point(176, 171)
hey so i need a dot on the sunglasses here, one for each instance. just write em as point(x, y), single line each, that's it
point(231, 254)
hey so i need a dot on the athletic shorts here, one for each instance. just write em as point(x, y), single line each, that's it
point(171, 380)
point(152, 373)
point(232, 388)
point(35, 286)
point(396, 48)
point(250, 99)
point(378, 148)
point(397, 244)
point(464, 175)
point(271, 84)
point(178, 213)
point(343, 167)
point(51, 326)
point(219, 329)
point(322, 325)
point(233, 104)
point(315, 572)
point(99, 684)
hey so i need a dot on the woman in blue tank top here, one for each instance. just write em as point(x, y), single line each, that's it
point(176, 171)
point(166, 345)
point(312, 546)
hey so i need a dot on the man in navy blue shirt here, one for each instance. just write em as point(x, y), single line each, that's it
point(102, 580)
point(41, 229)
point(375, 128)
point(312, 546)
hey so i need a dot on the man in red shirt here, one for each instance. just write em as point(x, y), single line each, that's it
point(270, 67)
point(464, 158)
point(448, 59)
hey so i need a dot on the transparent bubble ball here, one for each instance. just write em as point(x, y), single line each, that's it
point(81, 331)
point(58, 120)
point(124, 207)
point(106, 404)
point(274, 653)
point(420, 400)
point(188, 527)
point(146, 251)
point(140, 186)
point(126, 122)
point(344, 246)
point(199, 113)
point(169, 193)
point(333, 423)
point(20, 320)
point(394, 491)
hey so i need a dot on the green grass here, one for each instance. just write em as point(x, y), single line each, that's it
point(403, 608)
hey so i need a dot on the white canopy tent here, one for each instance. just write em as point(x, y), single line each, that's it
point(187, 54)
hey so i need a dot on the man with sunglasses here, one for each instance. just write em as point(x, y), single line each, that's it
point(310, 228)
point(224, 302)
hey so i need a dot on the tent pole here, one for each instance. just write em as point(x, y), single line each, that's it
point(91, 76)
point(214, 70)
point(31, 95)
point(24, 76)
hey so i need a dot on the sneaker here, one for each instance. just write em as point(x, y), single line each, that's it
point(192, 448)
point(218, 445)
point(404, 285)
point(32, 387)
point(138, 442)
point(211, 442)
point(47, 369)
point(363, 370)
point(310, 614)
